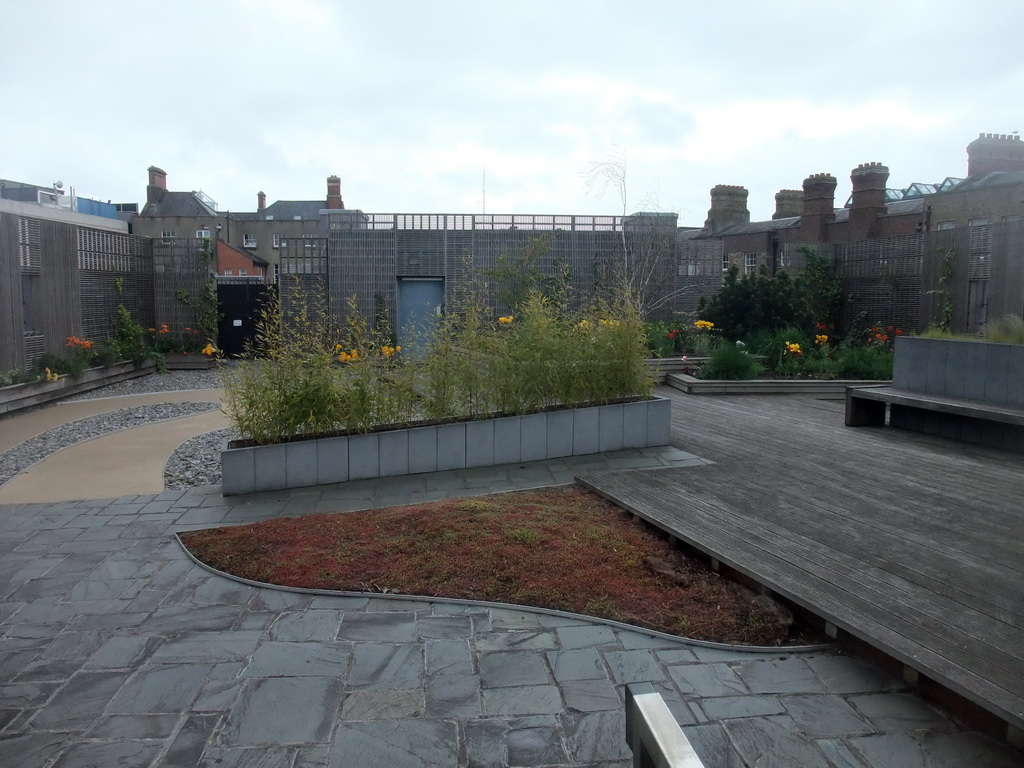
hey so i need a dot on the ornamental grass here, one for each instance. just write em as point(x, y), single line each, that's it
point(309, 376)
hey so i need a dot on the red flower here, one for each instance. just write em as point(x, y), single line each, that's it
point(899, 332)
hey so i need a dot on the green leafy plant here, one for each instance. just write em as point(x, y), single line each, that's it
point(731, 362)
point(947, 269)
point(756, 302)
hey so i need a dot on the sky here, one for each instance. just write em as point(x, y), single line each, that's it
point(469, 107)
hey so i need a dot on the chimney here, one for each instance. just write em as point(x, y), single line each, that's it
point(728, 208)
point(788, 203)
point(261, 201)
point(157, 184)
point(992, 152)
point(334, 201)
point(819, 206)
point(869, 180)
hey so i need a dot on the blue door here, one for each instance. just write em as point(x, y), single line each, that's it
point(420, 301)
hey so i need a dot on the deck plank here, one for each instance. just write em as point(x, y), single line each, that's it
point(912, 543)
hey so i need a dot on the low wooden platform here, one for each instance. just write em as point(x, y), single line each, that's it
point(911, 543)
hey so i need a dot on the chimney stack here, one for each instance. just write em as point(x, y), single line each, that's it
point(261, 201)
point(819, 206)
point(157, 184)
point(869, 180)
point(992, 152)
point(334, 201)
point(788, 203)
point(728, 208)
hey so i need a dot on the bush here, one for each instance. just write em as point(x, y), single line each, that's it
point(756, 302)
point(731, 362)
point(859, 362)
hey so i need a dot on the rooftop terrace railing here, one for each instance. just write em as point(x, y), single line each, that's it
point(652, 733)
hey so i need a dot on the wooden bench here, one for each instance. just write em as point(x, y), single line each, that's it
point(998, 426)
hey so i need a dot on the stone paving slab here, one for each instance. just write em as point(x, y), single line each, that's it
point(132, 655)
point(116, 649)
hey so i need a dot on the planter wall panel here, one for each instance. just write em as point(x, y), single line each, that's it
point(394, 453)
point(300, 464)
point(935, 370)
point(451, 446)
point(238, 471)
point(363, 457)
point(586, 431)
point(974, 361)
point(506, 440)
point(332, 461)
point(422, 449)
point(659, 421)
point(559, 437)
point(480, 443)
point(533, 437)
point(1015, 377)
point(507, 436)
point(997, 368)
point(610, 428)
point(270, 467)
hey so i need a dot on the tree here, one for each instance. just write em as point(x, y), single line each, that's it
point(648, 243)
point(518, 274)
point(756, 302)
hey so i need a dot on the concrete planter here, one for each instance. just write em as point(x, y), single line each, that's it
point(462, 445)
point(39, 392)
point(982, 371)
point(178, 361)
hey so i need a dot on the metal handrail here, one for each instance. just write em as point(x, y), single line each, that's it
point(652, 733)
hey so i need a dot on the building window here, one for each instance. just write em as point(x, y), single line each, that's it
point(277, 241)
point(749, 263)
point(309, 240)
point(167, 234)
point(228, 272)
point(202, 234)
point(248, 241)
point(978, 222)
point(944, 225)
point(784, 258)
point(243, 272)
point(1015, 217)
point(725, 263)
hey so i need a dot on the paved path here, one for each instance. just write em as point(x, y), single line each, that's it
point(116, 649)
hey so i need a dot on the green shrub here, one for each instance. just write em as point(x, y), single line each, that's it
point(860, 362)
point(731, 362)
point(661, 339)
point(756, 302)
point(775, 348)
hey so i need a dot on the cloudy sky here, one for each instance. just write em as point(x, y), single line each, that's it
point(410, 102)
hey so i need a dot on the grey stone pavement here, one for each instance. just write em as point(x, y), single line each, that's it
point(117, 650)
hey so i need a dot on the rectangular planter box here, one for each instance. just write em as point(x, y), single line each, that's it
point(39, 392)
point(192, 362)
point(975, 370)
point(482, 443)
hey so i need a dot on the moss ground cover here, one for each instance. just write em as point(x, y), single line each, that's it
point(561, 548)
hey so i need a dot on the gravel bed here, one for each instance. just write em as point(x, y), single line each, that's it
point(196, 462)
point(37, 448)
point(171, 381)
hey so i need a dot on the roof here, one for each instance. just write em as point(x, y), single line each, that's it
point(289, 210)
point(242, 252)
point(178, 204)
point(994, 179)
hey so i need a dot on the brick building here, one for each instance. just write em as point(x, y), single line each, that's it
point(249, 243)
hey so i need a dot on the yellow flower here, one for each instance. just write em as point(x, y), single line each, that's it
point(583, 325)
point(388, 351)
point(704, 325)
point(398, 348)
point(820, 339)
point(209, 349)
point(505, 320)
point(355, 354)
point(337, 347)
point(344, 357)
point(608, 323)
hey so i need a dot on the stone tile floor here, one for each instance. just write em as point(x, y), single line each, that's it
point(117, 650)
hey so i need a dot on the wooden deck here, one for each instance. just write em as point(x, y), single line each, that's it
point(911, 543)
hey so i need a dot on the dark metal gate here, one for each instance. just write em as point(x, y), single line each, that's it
point(240, 305)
